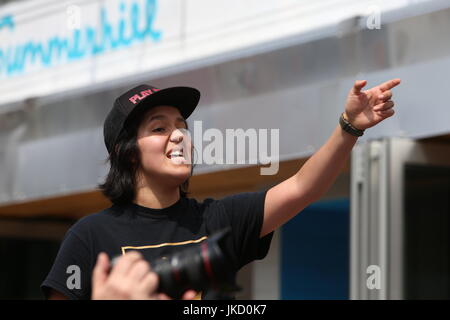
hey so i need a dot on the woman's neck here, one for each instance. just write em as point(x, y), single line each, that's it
point(148, 198)
point(156, 196)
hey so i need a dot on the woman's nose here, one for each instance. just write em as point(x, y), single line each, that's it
point(176, 136)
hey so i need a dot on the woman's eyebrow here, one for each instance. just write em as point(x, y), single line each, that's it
point(163, 117)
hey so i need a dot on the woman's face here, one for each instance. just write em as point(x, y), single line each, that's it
point(165, 146)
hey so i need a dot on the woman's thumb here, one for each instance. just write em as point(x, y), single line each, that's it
point(101, 270)
point(358, 85)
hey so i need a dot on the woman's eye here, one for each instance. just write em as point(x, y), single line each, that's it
point(158, 130)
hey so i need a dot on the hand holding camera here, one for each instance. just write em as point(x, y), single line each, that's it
point(130, 279)
point(179, 276)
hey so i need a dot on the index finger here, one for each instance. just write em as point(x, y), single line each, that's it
point(389, 84)
point(125, 262)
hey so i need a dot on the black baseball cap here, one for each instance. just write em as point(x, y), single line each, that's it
point(134, 103)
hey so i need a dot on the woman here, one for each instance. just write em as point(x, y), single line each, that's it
point(151, 213)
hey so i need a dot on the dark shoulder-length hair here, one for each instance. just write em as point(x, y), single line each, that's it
point(125, 161)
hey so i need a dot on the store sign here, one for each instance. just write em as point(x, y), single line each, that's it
point(51, 46)
point(134, 24)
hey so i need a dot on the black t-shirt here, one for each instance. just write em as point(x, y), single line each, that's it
point(156, 233)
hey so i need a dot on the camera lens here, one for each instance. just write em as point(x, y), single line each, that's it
point(200, 267)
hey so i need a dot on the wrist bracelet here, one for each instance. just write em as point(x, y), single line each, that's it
point(347, 127)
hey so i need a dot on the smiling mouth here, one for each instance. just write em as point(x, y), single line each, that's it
point(178, 157)
point(175, 154)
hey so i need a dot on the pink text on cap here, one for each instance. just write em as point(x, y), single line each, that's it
point(138, 97)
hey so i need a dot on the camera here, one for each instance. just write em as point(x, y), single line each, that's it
point(199, 267)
